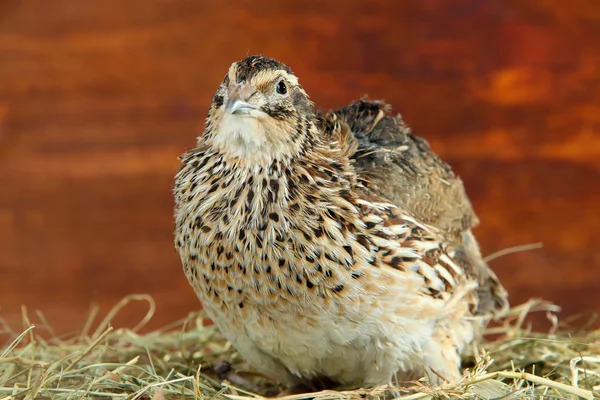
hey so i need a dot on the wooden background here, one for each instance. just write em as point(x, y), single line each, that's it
point(99, 97)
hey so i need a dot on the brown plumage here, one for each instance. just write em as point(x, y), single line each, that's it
point(309, 261)
point(402, 168)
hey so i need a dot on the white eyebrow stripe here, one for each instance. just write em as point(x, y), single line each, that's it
point(268, 75)
point(231, 74)
point(292, 78)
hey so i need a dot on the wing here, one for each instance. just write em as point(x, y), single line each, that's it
point(402, 168)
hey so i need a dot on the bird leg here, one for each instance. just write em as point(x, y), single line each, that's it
point(225, 372)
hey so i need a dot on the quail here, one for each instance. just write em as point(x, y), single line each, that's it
point(328, 247)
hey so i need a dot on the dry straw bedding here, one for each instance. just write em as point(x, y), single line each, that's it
point(176, 362)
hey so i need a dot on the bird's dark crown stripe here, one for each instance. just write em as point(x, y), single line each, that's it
point(251, 65)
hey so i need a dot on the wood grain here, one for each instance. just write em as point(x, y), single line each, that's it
point(99, 97)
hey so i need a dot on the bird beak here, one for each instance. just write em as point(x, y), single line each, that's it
point(237, 100)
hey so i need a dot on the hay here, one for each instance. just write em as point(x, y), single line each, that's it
point(175, 362)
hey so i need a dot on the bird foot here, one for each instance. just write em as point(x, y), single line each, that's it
point(225, 372)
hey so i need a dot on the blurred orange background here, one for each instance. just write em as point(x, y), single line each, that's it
point(98, 98)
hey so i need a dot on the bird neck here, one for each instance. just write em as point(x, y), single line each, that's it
point(252, 192)
point(252, 142)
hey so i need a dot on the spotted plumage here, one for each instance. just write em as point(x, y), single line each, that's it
point(401, 167)
point(312, 270)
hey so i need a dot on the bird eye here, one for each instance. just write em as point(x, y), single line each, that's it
point(281, 87)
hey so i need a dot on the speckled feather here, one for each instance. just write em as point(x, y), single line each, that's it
point(402, 168)
point(308, 271)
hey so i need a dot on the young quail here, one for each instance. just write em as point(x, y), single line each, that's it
point(313, 241)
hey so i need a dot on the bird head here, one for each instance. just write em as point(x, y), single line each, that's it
point(260, 111)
